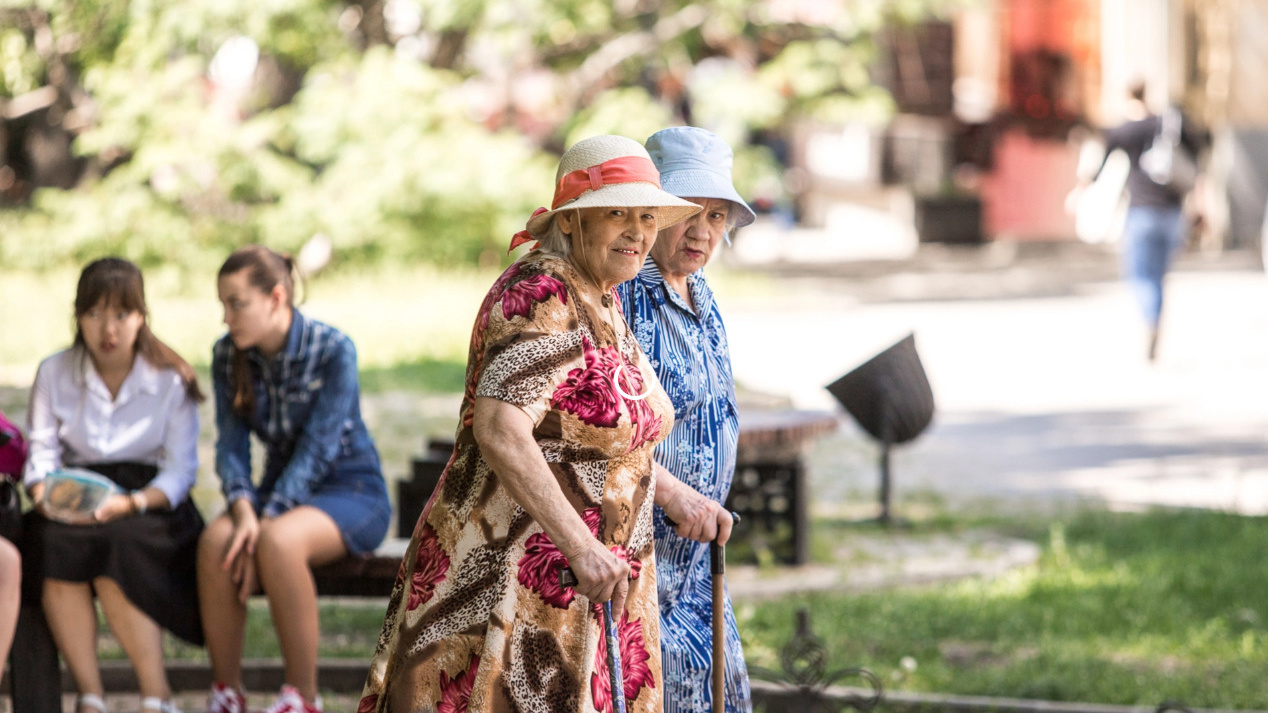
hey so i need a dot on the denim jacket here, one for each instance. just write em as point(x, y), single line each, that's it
point(307, 414)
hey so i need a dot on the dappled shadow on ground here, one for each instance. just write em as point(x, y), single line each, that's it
point(1000, 270)
point(1125, 457)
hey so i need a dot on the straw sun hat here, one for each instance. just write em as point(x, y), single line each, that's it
point(607, 172)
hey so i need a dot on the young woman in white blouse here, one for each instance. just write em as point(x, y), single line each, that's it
point(121, 403)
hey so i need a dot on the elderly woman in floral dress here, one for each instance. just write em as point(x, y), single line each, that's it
point(552, 467)
point(676, 321)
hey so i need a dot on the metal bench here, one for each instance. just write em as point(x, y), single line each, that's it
point(769, 490)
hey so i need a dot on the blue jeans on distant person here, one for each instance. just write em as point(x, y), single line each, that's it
point(1150, 237)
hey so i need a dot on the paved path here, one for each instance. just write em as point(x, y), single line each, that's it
point(880, 560)
point(1036, 358)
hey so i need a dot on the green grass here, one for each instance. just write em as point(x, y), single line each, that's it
point(425, 374)
point(411, 323)
point(1122, 608)
point(405, 319)
point(349, 629)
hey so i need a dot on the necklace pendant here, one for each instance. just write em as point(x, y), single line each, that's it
point(606, 299)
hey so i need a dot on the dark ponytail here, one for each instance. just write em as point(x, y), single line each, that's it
point(266, 269)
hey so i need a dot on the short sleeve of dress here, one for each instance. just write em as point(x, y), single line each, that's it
point(528, 335)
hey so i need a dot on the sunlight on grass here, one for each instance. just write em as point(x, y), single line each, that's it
point(406, 315)
point(1122, 620)
point(1122, 608)
point(411, 324)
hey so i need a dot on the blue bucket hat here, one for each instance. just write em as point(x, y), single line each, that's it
point(695, 163)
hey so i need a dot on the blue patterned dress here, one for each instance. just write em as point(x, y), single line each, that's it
point(689, 352)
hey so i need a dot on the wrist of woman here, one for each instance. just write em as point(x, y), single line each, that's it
point(667, 487)
point(139, 503)
point(577, 549)
point(242, 510)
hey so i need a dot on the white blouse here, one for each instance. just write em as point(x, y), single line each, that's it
point(73, 421)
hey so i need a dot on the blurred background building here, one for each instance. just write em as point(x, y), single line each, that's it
point(993, 102)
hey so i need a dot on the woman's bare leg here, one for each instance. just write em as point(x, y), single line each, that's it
point(289, 546)
point(10, 595)
point(72, 617)
point(138, 634)
point(224, 615)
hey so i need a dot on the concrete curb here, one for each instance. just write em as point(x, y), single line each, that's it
point(778, 698)
point(347, 676)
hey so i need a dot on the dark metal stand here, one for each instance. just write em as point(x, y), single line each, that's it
point(890, 397)
point(884, 518)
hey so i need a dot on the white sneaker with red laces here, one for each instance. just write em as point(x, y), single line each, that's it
point(290, 701)
point(224, 699)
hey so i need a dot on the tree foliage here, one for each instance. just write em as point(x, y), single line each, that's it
point(399, 129)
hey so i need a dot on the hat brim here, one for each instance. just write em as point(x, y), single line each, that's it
point(671, 209)
point(701, 183)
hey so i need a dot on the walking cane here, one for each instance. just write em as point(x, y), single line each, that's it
point(717, 562)
point(615, 678)
point(616, 681)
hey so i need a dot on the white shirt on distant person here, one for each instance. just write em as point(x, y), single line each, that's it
point(73, 421)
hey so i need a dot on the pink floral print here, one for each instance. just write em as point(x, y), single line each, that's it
point(431, 566)
point(490, 628)
point(635, 671)
point(518, 299)
point(476, 350)
point(635, 565)
point(645, 421)
point(455, 693)
point(495, 293)
point(542, 560)
point(588, 393)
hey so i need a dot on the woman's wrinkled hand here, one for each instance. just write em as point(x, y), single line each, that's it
point(601, 575)
point(698, 518)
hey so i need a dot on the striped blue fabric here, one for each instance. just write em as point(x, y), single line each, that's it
point(688, 349)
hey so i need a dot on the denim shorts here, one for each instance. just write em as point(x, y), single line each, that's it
point(357, 501)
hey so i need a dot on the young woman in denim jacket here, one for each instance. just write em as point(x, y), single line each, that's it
point(292, 381)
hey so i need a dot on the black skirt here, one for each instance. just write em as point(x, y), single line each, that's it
point(153, 557)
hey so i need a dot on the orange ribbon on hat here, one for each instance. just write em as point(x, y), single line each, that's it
point(524, 236)
point(623, 169)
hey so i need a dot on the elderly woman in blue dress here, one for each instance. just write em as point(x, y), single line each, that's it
point(676, 322)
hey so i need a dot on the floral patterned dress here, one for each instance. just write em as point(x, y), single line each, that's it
point(477, 620)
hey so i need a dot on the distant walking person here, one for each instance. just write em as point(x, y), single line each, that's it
point(1161, 150)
